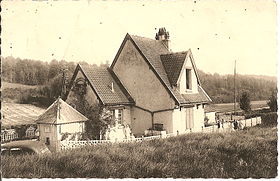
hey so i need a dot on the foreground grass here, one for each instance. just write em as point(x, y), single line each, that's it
point(242, 154)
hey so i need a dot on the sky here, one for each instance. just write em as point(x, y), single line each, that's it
point(217, 31)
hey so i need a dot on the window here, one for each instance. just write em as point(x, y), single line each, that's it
point(188, 79)
point(47, 129)
point(119, 115)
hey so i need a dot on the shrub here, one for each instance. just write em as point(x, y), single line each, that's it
point(269, 119)
point(272, 103)
point(245, 102)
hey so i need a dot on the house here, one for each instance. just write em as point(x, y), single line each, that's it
point(59, 119)
point(146, 87)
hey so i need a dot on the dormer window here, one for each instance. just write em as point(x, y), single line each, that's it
point(188, 79)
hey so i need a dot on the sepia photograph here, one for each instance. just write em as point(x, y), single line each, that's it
point(139, 89)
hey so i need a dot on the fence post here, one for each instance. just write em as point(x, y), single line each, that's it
point(251, 122)
point(202, 129)
point(177, 132)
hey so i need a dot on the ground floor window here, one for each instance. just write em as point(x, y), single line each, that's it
point(118, 115)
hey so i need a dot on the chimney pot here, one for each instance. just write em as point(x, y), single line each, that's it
point(163, 36)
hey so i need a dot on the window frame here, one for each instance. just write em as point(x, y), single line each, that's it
point(47, 129)
point(188, 79)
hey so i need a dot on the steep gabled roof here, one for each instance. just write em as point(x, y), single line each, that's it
point(173, 63)
point(159, 58)
point(200, 97)
point(60, 113)
point(101, 80)
point(150, 50)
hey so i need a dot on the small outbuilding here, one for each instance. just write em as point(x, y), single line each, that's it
point(59, 119)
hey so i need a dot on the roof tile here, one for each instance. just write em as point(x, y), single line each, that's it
point(101, 79)
point(60, 113)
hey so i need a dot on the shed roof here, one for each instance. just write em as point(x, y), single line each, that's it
point(60, 113)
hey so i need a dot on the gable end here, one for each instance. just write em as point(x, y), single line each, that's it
point(128, 37)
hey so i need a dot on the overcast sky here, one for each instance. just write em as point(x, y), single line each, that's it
point(217, 31)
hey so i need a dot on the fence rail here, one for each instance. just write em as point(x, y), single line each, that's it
point(225, 127)
point(8, 137)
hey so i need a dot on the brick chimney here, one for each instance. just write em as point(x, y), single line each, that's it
point(163, 36)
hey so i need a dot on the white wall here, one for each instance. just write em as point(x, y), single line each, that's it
point(71, 128)
point(211, 116)
point(198, 117)
point(179, 120)
point(52, 135)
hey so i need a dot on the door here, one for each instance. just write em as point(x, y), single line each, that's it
point(47, 141)
point(189, 118)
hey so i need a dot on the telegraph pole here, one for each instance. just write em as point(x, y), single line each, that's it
point(234, 87)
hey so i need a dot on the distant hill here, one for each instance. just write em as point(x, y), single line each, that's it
point(221, 87)
point(49, 76)
point(264, 77)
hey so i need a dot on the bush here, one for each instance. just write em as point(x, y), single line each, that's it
point(269, 119)
point(245, 102)
point(256, 113)
point(272, 103)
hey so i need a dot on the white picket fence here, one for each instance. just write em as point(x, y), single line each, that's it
point(226, 127)
point(8, 136)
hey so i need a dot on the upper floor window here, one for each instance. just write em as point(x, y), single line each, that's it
point(188, 79)
point(47, 129)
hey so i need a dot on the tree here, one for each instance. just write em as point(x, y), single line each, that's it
point(272, 102)
point(245, 102)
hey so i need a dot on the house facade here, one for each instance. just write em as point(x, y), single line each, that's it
point(146, 86)
point(58, 120)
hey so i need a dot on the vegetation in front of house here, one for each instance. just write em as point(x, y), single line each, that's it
point(241, 154)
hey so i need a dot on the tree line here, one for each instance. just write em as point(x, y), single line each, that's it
point(221, 87)
point(48, 77)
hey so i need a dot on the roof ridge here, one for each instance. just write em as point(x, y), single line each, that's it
point(171, 53)
point(144, 37)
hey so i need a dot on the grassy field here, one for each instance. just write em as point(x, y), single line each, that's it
point(15, 85)
point(241, 154)
point(13, 92)
point(19, 114)
point(227, 107)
